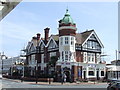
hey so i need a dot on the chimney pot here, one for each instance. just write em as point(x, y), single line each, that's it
point(46, 34)
point(38, 36)
point(34, 38)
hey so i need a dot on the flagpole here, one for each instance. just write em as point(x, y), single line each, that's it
point(116, 65)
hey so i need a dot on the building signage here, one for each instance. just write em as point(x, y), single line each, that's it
point(92, 65)
point(66, 63)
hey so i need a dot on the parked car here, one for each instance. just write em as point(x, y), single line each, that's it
point(115, 85)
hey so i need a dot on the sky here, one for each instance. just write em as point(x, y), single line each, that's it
point(30, 18)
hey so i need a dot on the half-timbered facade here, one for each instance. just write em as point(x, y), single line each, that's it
point(78, 55)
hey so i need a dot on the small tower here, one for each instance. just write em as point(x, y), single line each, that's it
point(67, 31)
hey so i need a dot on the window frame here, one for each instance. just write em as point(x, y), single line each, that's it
point(93, 73)
point(66, 40)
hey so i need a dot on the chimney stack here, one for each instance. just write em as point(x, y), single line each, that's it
point(46, 34)
point(38, 36)
point(34, 38)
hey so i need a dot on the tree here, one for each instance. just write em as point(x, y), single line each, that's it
point(53, 61)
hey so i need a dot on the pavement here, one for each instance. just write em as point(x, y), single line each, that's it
point(15, 83)
point(54, 83)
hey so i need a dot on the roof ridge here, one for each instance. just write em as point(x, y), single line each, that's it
point(87, 31)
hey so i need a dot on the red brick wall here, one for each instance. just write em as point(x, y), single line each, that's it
point(67, 32)
point(38, 58)
point(74, 73)
point(60, 25)
point(79, 56)
point(46, 55)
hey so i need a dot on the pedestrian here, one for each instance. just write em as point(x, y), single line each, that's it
point(22, 79)
point(65, 77)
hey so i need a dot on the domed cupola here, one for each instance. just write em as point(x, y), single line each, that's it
point(67, 18)
point(67, 25)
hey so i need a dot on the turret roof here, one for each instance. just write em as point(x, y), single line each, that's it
point(67, 18)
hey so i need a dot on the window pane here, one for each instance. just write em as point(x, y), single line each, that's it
point(66, 40)
point(91, 73)
point(102, 73)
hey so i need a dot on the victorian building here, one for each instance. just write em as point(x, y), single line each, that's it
point(78, 55)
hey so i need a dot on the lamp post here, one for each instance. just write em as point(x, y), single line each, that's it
point(23, 69)
point(2, 56)
point(12, 67)
point(49, 74)
point(116, 65)
point(36, 71)
point(62, 77)
point(2, 65)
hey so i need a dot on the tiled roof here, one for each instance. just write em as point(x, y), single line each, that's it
point(55, 37)
point(81, 37)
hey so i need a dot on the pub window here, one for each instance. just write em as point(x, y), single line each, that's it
point(93, 45)
point(93, 58)
point(66, 55)
point(63, 55)
point(61, 41)
point(72, 41)
point(85, 56)
point(66, 40)
point(102, 73)
point(91, 73)
point(88, 44)
point(89, 58)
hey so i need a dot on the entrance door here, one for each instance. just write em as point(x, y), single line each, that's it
point(97, 75)
point(67, 73)
point(84, 74)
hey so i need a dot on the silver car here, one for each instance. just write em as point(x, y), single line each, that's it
point(114, 86)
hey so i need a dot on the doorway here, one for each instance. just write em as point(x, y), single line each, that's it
point(97, 75)
point(84, 74)
point(67, 73)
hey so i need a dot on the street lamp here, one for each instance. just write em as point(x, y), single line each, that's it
point(116, 64)
point(62, 77)
point(49, 74)
point(2, 56)
point(12, 67)
point(23, 70)
point(2, 65)
point(36, 71)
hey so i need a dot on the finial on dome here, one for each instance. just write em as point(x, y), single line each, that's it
point(67, 10)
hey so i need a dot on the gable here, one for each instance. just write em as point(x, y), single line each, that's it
point(28, 45)
point(81, 37)
point(94, 38)
point(42, 45)
point(31, 48)
point(51, 43)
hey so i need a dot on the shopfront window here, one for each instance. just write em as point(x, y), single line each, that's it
point(102, 73)
point(91, 73)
